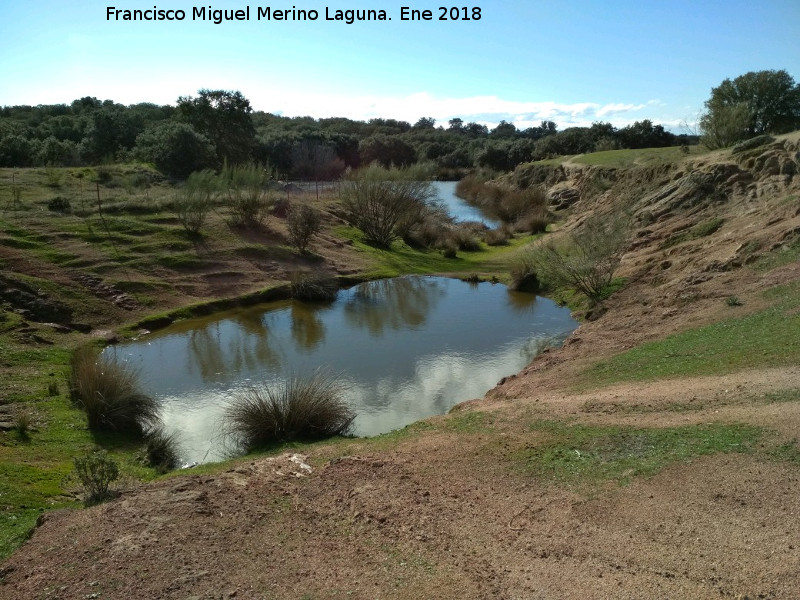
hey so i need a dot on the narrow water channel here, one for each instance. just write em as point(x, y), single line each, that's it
point(457, 207)
point(407, 348)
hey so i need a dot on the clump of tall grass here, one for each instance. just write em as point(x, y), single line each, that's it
point(23, 422)
point(294, 409)
point(161, 450)
point(109, 393)
point(313, 287)
point(523, 275)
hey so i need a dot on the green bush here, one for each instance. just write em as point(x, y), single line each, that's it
point(195, 200)
point(303, 222)
point(96, 471)
point(295, 409)
point(249, 198)
point(586, 260)
point(58, 204)
point(176, 149)
point(109, 393)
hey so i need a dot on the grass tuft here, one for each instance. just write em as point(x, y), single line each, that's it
point(161, 450)
point(295, 409)
point(311, 287)
point(109, 393)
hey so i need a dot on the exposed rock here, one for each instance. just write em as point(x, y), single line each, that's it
point(106, 291)
point(32, 304)
point(563, 197)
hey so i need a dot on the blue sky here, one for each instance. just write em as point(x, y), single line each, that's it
point(573, 62)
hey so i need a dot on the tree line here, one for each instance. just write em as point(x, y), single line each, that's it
point(218, 127)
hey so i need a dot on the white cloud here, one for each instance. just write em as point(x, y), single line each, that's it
point(488, 110)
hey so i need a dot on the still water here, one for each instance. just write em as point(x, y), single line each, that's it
point(458, 208)
point(407, 348)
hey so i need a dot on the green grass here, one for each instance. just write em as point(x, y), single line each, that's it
point(788, 253)
point(770, 337)
point(181, 261)
point(34, 473)
point(588, 455)
point(402, 259)
point(639, 157)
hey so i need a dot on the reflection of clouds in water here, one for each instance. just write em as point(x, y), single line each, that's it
point(198, 420)
point(439, 383)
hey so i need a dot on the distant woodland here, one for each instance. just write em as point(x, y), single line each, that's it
point(218, 127)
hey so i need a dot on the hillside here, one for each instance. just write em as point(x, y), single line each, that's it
point(655, 454)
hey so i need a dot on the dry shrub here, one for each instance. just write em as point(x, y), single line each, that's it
point(585, 260)
point(497, 237)
point(464, 239)
point(313, 287)
point(385, 203)
point(535, 221)
point(510, 205)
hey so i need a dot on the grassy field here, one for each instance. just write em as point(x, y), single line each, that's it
point(587, 455)
point(770, 337)
point(643, 157)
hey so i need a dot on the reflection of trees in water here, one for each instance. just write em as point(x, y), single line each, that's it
point(393, 303)
point(247, 346)
point(521, 301)
point(308, 330)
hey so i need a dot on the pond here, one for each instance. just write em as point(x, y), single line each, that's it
point(407, 348)
point(457, 207)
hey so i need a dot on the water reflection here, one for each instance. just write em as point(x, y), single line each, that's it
point(409, 348)
point(520, 301)
point(392, 304)
point(458, 208)
point(308, 330)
